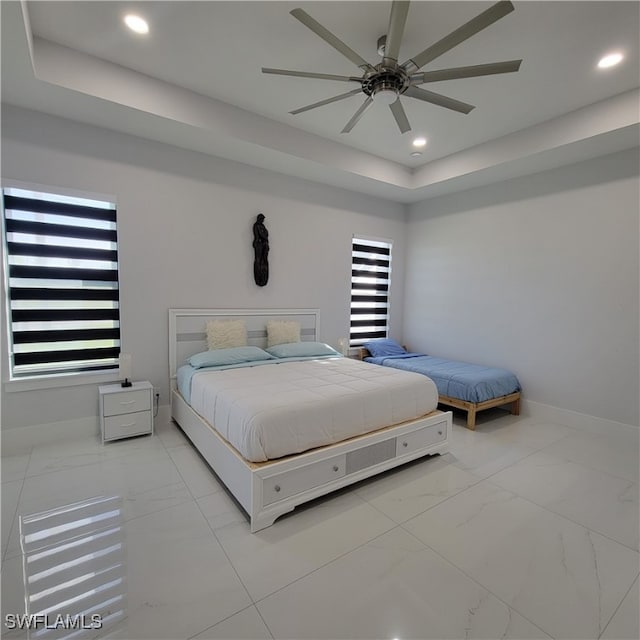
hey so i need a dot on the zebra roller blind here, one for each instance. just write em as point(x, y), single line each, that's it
point(62, 283)
point(370, 280)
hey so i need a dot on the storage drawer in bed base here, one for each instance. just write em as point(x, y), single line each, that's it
point(281, 486)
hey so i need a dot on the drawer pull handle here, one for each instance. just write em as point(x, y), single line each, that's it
point(405, 444)
point(440, 432)
point(128, 402)
point(335, 467)
point(127, 426)
point(277, 488)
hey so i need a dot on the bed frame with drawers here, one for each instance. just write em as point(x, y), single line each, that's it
point(267, 490)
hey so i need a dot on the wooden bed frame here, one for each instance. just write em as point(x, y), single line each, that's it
point(472, 408)
point(267, 490)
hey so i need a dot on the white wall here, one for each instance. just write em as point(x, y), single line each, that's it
point(540, 275)
point(185, 232)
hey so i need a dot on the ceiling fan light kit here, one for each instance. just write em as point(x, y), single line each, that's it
point(386, 81)
point(385, 95)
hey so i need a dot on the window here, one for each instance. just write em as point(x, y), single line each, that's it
point(61, 276)
point(370, 278)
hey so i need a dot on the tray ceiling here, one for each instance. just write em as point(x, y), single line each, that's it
point(195, 81)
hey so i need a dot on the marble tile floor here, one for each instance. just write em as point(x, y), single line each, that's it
point(523, 530)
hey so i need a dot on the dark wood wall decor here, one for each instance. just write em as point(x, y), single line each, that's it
point(261, 251)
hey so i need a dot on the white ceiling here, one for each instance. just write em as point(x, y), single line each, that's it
point(195, 81)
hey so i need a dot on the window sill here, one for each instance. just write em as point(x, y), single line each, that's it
point(60, 381)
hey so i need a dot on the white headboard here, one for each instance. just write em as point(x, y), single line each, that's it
point(187, 328)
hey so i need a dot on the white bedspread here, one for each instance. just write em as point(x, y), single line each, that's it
point(274, 410)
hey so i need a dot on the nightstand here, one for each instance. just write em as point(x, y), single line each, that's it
point(126, 411)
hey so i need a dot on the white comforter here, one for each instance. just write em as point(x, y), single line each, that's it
point(274, 410)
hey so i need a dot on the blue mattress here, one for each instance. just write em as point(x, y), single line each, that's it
point(461, 380)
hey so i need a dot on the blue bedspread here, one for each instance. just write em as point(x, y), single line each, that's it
point(470, 382)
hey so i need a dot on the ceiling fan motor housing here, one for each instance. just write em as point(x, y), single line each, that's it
point(385, 83)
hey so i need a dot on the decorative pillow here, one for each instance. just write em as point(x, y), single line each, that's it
point(225, 334)
point(282, 331)
point(384, 347)
point(235, 355)
point(302, 349)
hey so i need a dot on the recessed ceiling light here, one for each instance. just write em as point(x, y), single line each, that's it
point(419, 142)
point(610, 60)
point(136, 23)
point(416, 154)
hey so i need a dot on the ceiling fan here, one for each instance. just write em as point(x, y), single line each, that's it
point(386, 81)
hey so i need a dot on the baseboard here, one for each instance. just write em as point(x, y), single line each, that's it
point(164, 415)
point(20, 439)
point(538, 410)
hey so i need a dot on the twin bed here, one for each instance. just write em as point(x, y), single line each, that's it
point(283, 424)
point(466, 386)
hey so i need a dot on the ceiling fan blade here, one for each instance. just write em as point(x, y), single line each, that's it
point(328, 37)
point(401, 117)
point(305, 74)
point(466, 72)
point(342, 96)
point(477, 24)
point(357, 115)
point(397, 20)
point(440, 100)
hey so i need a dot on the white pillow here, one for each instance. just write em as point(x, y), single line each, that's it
point(282, 332)
point(225, 334)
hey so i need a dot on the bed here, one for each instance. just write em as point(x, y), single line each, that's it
point(462, 385)
point(242, 417)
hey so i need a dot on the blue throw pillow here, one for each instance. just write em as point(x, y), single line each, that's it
point(384, 347)
point(233, 355)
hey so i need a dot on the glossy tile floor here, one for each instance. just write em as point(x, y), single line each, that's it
point(523, 530)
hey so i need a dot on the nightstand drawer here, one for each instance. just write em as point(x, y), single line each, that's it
point(130, 424)
point(126, 402)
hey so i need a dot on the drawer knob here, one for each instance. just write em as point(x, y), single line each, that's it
point(123, 403)
point(277, 488)
point(405, 444)
point(335, 467)
point(440, 432)
point(128, 426)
